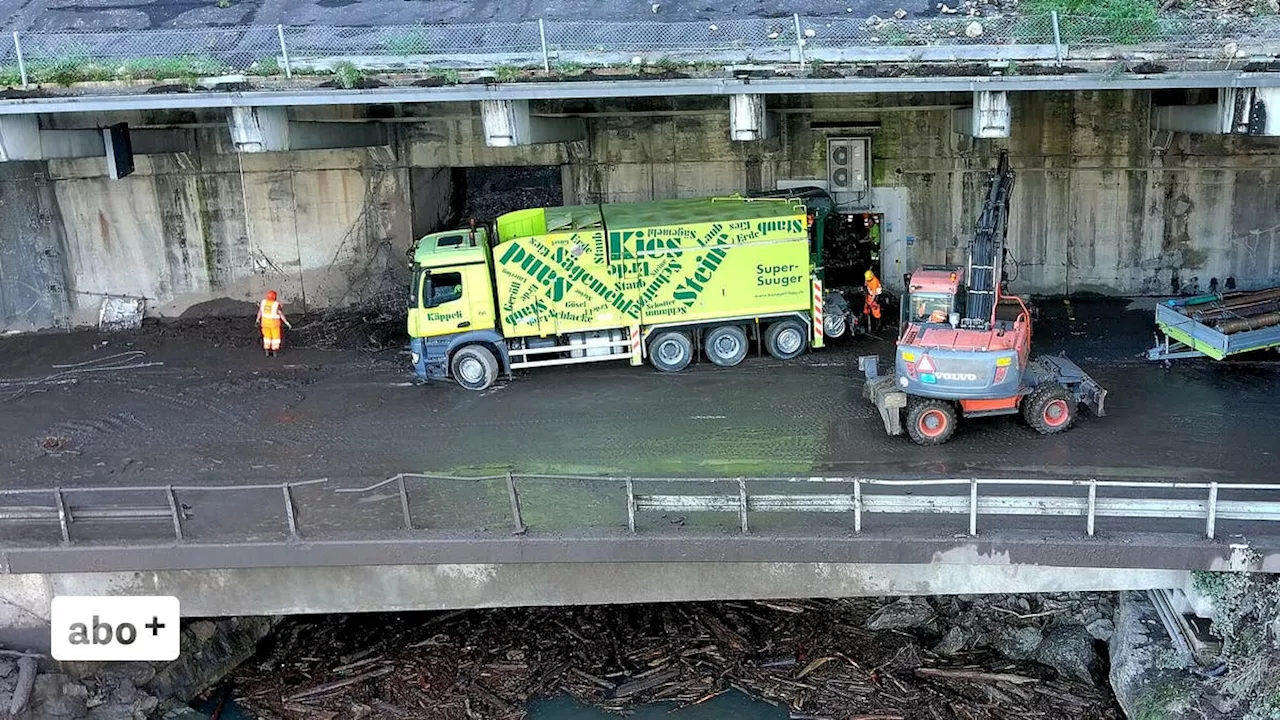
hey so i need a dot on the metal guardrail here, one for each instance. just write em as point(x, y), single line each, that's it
point(1086, 500)
point(178, 53)
point(858, 501)
point(167, 510)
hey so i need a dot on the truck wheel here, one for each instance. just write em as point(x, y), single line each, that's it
point(671, 351)
point(1049, 409)
point(474, 367)
point(931, 422)
point(726, 345)
point(786, 339)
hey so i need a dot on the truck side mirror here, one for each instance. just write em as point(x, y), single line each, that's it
point(954, 319)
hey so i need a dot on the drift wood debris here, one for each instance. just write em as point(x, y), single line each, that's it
point(815, 658)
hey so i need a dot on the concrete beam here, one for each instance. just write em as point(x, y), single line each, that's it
point(269, 129)
point(24, 620)
point(22, 138)
point(989, 117)
point(508, 123)
point(1238, 111)
point(749, 120)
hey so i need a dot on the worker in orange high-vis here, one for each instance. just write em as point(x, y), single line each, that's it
point(270, 316)
point(871, 295)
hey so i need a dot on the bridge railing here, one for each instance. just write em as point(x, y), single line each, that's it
point(423, 503)
point(65, 56)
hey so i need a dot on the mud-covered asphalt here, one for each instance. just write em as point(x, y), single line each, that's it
point(214, 414)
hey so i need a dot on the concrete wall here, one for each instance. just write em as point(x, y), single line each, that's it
point(25, 599)
point(1102, 204)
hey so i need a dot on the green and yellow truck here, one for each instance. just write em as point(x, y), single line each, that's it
point(658, 280)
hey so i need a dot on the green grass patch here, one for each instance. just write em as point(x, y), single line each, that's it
point(10, 75)
point(507, 73)
point(1100, 22)
point(168, 68)
point(348, 75)
point(405, 44)
point(266, 67)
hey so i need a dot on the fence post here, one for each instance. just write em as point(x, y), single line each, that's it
point(288, 511)
point(515, 505)
point(1057, 38)
point(1212, 518)
point(973, 506)
point(63, 520)
point(284, 51)
point(1093, 504)
point(542, 35)
point(177, 515)
point(22, 63)
point(799, 39)
point(742, 503)
point(631, 506)
point(857, 505)
point(404, 503)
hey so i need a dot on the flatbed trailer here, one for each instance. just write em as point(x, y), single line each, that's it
point(1216, 326)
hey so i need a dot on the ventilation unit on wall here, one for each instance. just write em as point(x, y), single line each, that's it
point(848, 167)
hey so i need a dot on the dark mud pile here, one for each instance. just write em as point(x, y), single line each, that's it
point(372, 327)
point(819, 659)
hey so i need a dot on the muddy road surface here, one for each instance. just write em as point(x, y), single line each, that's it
point(215, 411)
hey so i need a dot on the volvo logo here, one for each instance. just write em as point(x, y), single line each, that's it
point(957, 376)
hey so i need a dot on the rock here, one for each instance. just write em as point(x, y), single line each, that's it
point(951, 643)
point(183, 713)
point(1141, 688)
point(899, 13)
point(202, 631)
point(8, 667)
point(56, 697)
point(138, 673)
point(655, 8)
point(1230, 50)
point(205, 662)
point(902, 614)
point(1068, 648)
point(973, 29)
point(714, 28)
point(1019, 644)
point(1101, 629)
point(1274, 6)
point(809, 32)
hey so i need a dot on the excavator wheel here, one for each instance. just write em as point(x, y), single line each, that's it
point(931, 422)
point(1049, 409)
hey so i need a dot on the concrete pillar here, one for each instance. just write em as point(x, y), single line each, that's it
point(989, 117)
point(749, 120)
point(508, 123)
point(269, 129)
point(1239, 111)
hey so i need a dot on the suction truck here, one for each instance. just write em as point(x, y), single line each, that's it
point(655, 281)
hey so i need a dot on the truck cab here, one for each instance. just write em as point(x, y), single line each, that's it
point(451, 294)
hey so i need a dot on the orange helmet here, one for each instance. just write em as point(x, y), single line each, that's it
point(271, 294)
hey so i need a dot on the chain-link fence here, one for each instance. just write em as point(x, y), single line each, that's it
point(567, 46)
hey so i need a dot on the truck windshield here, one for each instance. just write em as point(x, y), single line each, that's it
point(930, 307)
